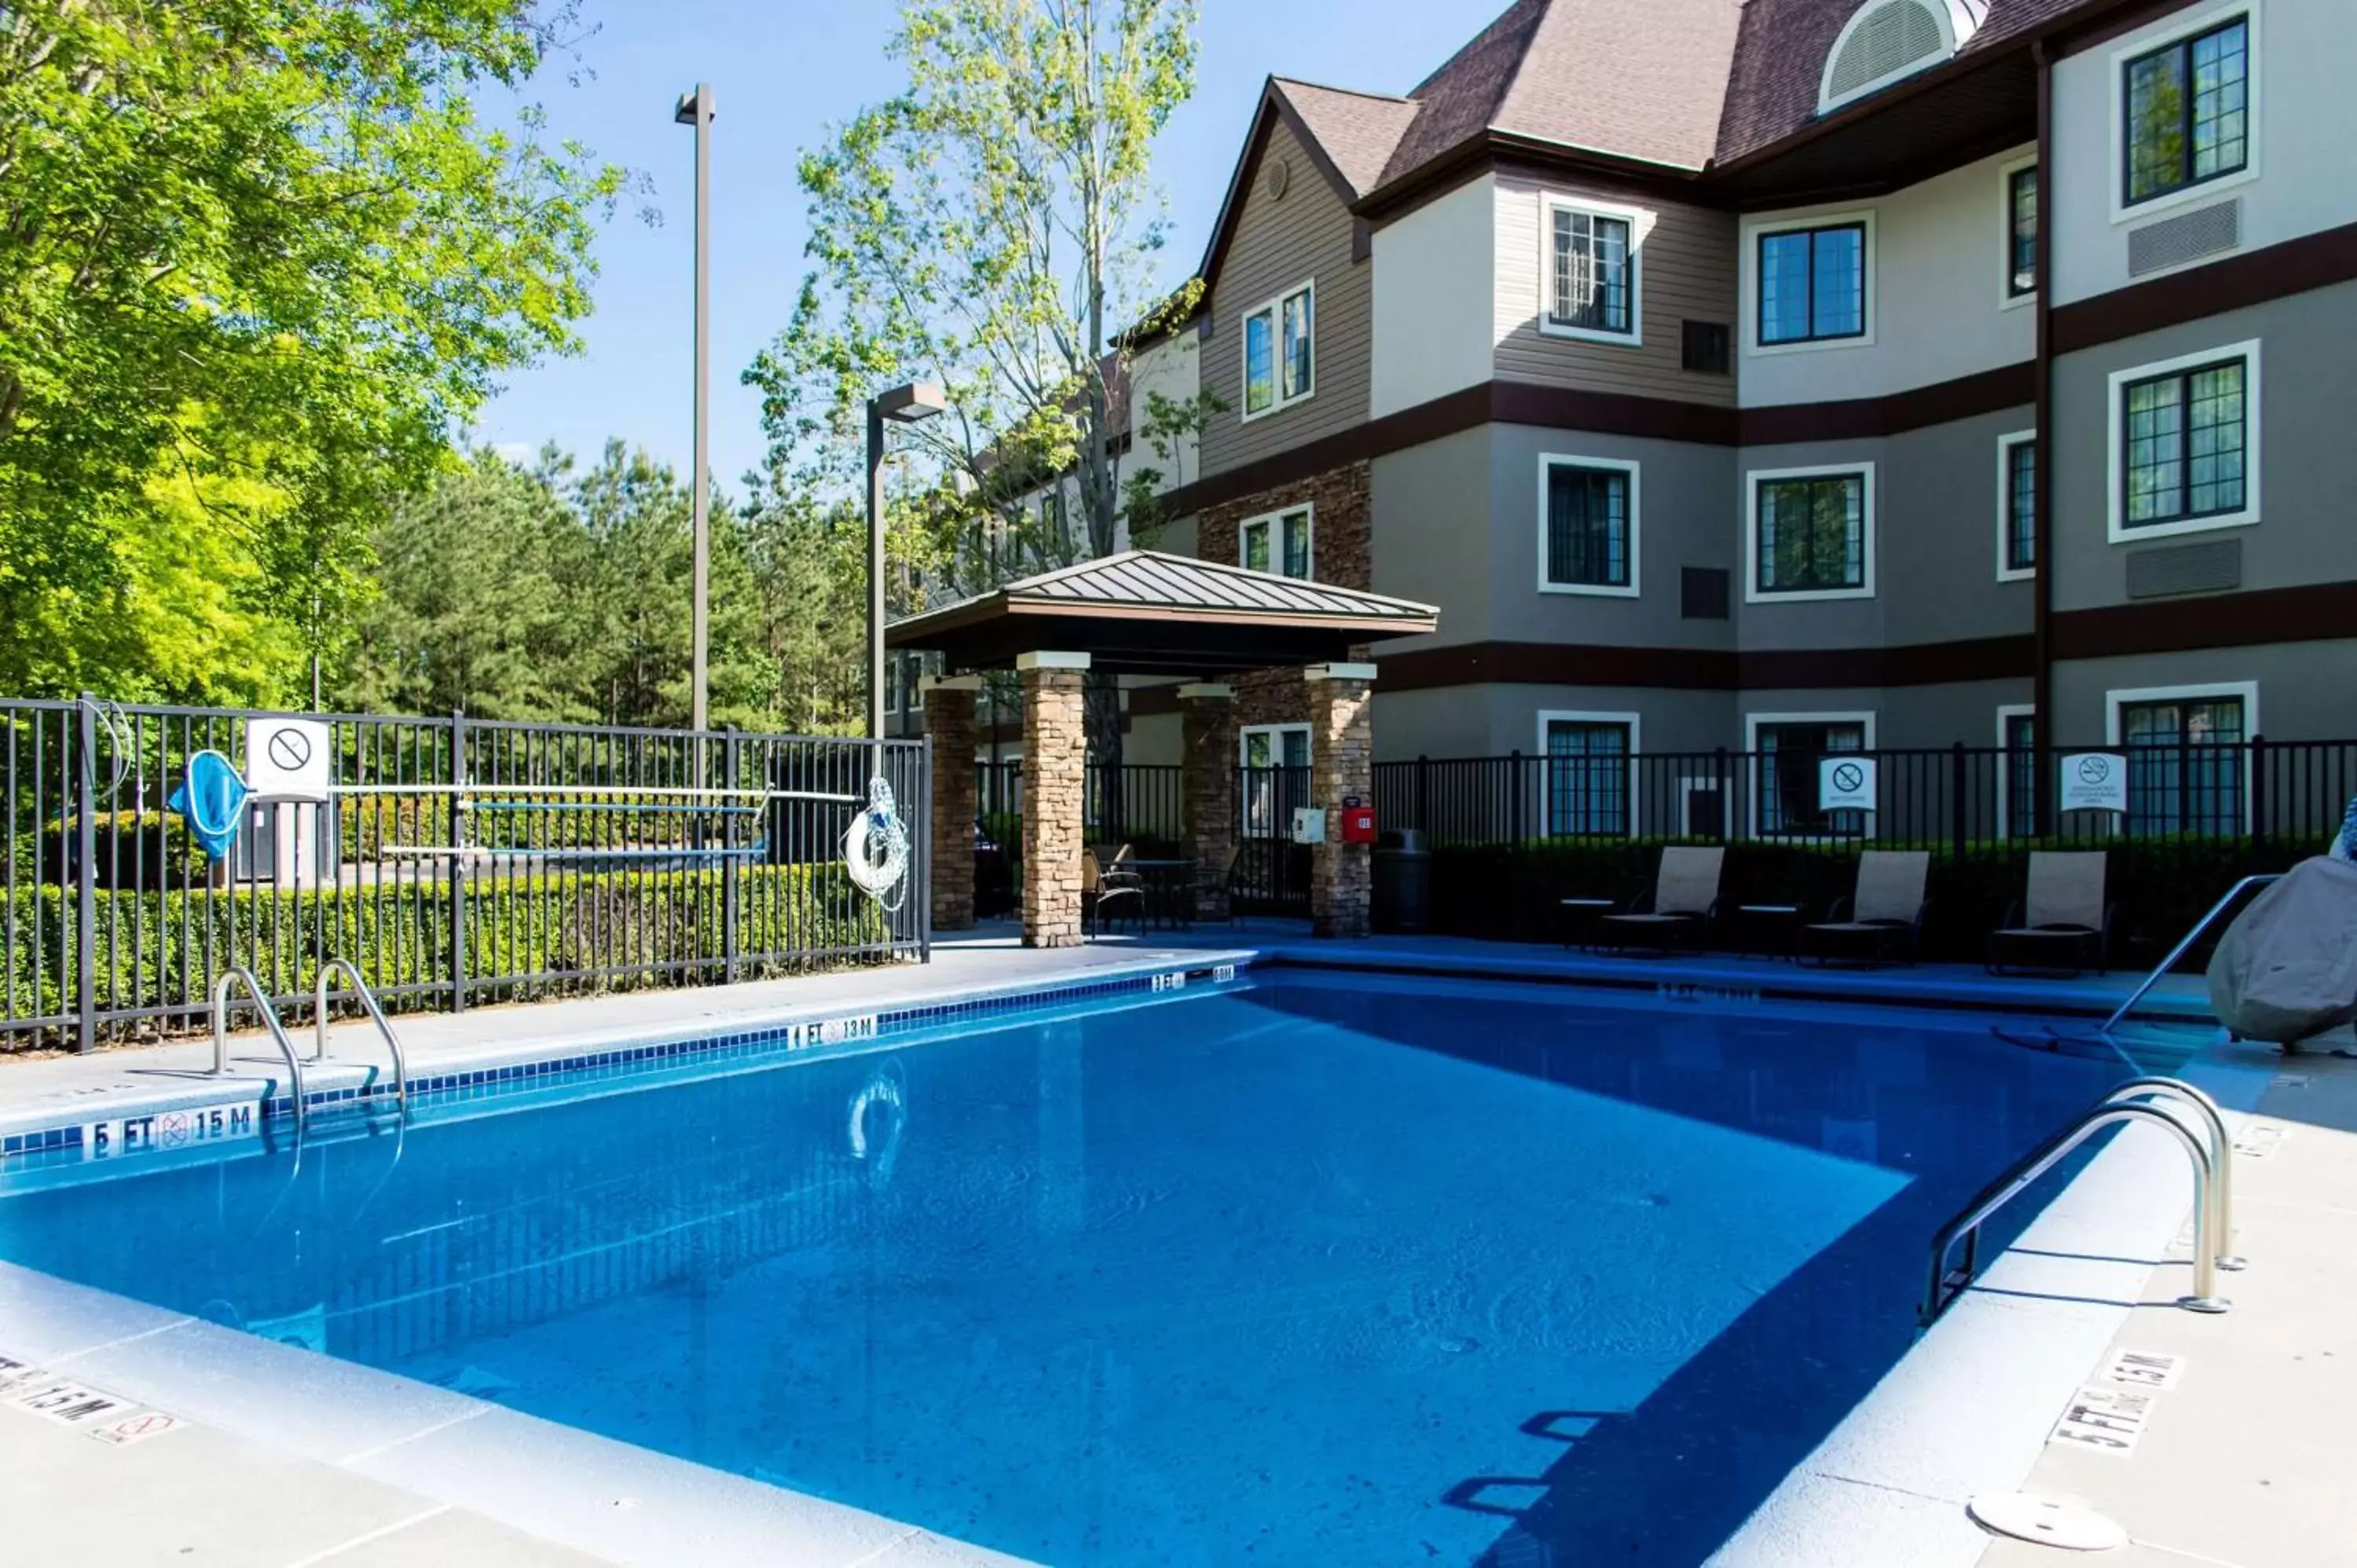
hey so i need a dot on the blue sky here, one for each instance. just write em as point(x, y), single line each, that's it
point(781, 73)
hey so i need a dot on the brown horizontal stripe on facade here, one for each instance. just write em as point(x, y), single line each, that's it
point(1702, 669)
point(2314, 612)
point(1614, 413)
point(1944, 403)
point(2276, 272)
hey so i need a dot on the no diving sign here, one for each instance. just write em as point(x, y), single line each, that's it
point(1845, 784)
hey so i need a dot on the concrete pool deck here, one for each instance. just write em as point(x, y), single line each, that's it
point(266, 1467)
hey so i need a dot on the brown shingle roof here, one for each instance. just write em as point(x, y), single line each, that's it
point(1635, 78)
point(1356, 130)
point(1780, 60)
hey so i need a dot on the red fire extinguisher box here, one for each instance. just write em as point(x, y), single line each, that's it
point(1358, 824)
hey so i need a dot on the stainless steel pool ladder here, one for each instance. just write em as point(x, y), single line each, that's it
point(241, 975)
point(2143, 1100)
point(360, 989)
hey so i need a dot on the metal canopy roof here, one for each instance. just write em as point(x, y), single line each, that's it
point(1142, 612)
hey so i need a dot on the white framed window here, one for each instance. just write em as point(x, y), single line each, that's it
point(2016, 506)
point(1591, 773)
point(1279, 542)
point(1273, 746)
point(1809, 283)
point(2185, 121)
point(1276, 759)
point(1810, 534)
point(1280, 352)
point(2184, 444)
point(1886, 41)
point(1785, 749)
point(2019, 211)
point(2189, 755)
point(1592, 275)
point(2017, 778)
point(1589, 526)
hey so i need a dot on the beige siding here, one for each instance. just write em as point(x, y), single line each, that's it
point(1687, 265)
point(1304, 235)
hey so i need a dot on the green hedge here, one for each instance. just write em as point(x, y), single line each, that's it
point(157, 949)
point(2159, 886)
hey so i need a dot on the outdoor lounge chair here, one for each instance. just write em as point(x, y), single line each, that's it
point(1679, 910)
point(1883, 920)
point(2061, 926)
point(1101, 894)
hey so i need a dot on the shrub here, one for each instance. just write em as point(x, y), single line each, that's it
point(2159, 886)
point(526, 935)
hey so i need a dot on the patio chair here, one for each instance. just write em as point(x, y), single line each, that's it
point(1679, 910)
point(1100, 892)
point(1883, 920)
point(2061, 926)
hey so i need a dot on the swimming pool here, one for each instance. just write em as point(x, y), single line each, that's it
point(1310, 1268)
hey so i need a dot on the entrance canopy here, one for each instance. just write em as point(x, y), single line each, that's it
point(1146, 613)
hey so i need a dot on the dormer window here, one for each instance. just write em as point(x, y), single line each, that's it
point(1889, 40)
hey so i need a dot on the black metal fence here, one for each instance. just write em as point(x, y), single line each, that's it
point(1513, 836)
point(1955, 798)
point(456, 861)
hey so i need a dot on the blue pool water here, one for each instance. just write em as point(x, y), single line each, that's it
point(1315, 1270)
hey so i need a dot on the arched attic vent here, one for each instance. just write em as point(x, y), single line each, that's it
point(1889, 40)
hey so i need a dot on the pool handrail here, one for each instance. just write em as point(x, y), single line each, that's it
point(2259, 879)
point(1942, 1289)
point(238, 974)
point(359, 988)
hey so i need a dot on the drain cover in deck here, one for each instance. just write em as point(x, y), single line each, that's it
point(2049, 1521)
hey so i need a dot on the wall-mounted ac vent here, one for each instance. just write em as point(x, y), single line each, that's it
point(2188, 237)
point(1702, 593)
point(2211, 568)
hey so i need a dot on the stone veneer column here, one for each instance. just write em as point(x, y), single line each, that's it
point(1207, 784)
point(949, 722)
point(1055, 787)
point(1341, 765)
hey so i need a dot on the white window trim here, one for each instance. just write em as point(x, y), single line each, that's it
point(1639, 221)
point(1275, 732)
point(2248, 691)
point(2005, 714)
point(1277, 544)
point(2116, 455)
point(1748, 279)
point(1634, 723)
point(1274, 307)
point(1754, 723)
point(2005, 445)
point(1828, 102)
point(892, 673)
point(1549, 460)
point(2006, 298)
point(2115, 701)
point(1751, 482)
point(2160, 36)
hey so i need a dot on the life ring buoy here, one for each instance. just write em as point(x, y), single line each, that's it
point(882, 1089)
point(875, 849)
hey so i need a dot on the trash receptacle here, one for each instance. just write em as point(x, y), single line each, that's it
point(1403, 882)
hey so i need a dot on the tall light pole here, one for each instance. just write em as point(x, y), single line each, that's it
point(901, 405)
point(696, 109)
